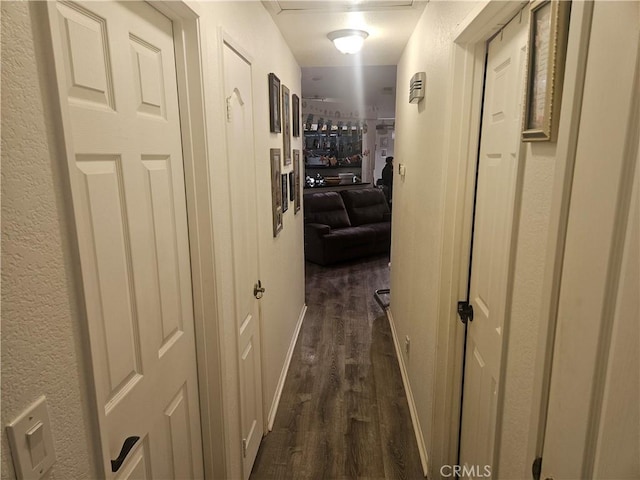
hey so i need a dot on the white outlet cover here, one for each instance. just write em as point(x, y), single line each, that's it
point(21, 451)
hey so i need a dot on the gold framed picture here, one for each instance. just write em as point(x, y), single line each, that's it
point(548, 29)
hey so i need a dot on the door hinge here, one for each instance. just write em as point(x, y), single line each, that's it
point(244, 447)
point(229, 109)
point(536, 468)
point(465, 311)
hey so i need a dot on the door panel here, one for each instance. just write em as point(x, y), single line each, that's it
point(117, 69)
point(177, 421)
point(618, 448)
point(138, 465)
point(104, 213)
point(493, 231)
point(241, 160)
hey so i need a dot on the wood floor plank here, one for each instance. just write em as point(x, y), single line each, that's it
point(343, 413)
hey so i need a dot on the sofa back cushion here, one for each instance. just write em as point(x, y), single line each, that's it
point(365, 205)
point(326, 208)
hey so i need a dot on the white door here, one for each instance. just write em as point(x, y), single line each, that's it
point(593, 421)
point(117, 80)
point(493, 232)
point(618, 438)
point(241, 160)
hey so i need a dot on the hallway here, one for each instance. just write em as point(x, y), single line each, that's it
point(99, 285)
point(343, 411)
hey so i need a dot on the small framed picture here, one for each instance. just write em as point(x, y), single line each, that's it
point(384, 142)
point(295, 103)
point(285, 195)
point(292, 188)
point(548, 31)
point(286, 126)
point(297, 192)
point(274, 103)
point(276, 191)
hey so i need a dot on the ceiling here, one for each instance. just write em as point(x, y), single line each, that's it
point(333, 76)
point(306, 23)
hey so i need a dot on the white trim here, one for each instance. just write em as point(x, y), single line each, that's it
point(588, 294)
point(468, 66)
point(225, 37)
point(189, 69)
point(422, 447)
point(285, 369)
point(575, 68)
point(612, 291)
point(487, 18)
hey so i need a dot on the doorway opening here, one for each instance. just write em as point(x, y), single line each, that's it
point(494, 230)
point(348, 120)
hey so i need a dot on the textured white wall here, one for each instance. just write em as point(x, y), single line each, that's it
point(418, 198)
point(42, 331)
point(42, 346)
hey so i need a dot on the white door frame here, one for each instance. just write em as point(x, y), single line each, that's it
point(461, 144)
point(588, 303)
point(575, 68)
point(209, 344)
point(225, 38)
point(188, 52)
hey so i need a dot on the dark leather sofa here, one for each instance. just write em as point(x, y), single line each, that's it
point(345, 225)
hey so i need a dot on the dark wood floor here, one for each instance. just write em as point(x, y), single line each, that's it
point(343, 412)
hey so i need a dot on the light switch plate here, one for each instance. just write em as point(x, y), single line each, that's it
point(31, 441)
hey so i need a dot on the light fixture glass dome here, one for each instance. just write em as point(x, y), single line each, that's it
point(348, 41)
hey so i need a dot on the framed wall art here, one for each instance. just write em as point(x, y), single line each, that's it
point(274, 103)
point(295, 103)
point(285, 195)
point(286, 126)
point(297, 192)
point(292, 188)
point(548, 30)
point(276, 191)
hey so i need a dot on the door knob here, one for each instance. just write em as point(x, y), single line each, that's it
point(258, 290)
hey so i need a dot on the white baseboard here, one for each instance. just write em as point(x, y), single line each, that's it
point(422, 448)
point(285, 369)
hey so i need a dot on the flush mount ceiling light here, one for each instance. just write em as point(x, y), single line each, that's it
point(348, 41)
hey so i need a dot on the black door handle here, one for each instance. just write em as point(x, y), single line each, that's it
point(126, 448)
point(258, 290)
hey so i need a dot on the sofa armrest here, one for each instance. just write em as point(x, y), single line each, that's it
point(386, 217)
point(317, 229)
